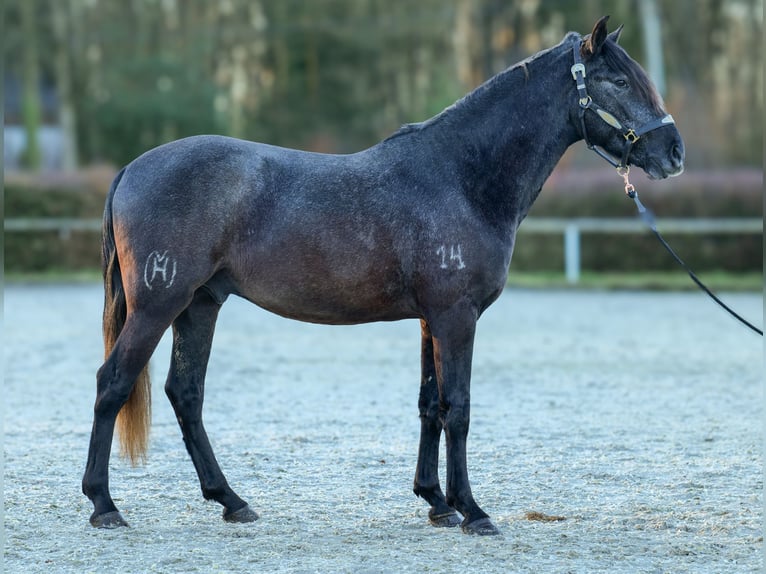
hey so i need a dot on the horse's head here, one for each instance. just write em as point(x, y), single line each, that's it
point(629, 121)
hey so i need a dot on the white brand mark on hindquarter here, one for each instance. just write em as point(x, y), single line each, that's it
point(455, 258)
point(162, 265)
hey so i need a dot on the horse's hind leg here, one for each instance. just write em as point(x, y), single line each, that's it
point(192, 338)
point(115, 380)
point(427, 472)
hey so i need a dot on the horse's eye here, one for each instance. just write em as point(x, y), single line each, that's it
point(621, 83)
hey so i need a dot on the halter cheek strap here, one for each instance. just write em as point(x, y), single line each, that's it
point(586, 103)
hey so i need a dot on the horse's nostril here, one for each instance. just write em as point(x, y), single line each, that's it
point(677, 154)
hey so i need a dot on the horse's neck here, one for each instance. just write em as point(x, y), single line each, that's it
point(508, 135)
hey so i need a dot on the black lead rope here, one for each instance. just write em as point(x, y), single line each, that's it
point(648, 217)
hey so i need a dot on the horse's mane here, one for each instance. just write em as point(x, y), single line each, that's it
point(481, 89)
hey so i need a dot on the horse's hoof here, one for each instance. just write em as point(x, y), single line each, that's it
point(108, 520)
point(481, 527)
point(244, 514)
point(446, 520)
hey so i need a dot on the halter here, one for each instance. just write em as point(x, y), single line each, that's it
point(586, 103)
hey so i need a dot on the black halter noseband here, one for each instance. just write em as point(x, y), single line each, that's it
point(586, 103)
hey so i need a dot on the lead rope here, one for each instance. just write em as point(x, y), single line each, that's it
point(648, 217)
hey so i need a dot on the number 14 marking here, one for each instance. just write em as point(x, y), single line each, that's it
point(455, 257)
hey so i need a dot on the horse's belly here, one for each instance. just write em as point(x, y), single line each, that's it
point(340, 296)
point(340, 309)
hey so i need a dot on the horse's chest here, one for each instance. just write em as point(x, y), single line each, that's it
point(455, 265)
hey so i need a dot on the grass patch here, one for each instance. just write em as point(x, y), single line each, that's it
point(647, 280)
point(53, 276)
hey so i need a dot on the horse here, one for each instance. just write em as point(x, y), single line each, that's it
point(420, 226)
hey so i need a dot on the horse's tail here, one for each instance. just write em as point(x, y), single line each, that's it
point(134, 419)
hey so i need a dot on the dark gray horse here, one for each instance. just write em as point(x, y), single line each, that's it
point(419, 226)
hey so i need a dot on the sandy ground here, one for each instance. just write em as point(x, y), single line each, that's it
point(637, 416)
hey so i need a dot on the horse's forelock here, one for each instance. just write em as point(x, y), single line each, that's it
point(618, 59)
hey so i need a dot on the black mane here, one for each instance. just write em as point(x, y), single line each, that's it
point(482, 88)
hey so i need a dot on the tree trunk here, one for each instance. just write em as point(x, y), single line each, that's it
point(31, 86)
point(67, 113)
point(650, 18)
point(467, 45)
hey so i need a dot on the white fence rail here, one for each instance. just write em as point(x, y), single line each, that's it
point(64, 225)
point(570, 228)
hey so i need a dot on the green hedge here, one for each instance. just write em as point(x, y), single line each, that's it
point(599, 193)
point(47, 251)
point(80, 197)
point(581, 194)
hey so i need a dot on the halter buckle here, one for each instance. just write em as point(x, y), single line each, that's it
point(631, 136)
point(578, 68)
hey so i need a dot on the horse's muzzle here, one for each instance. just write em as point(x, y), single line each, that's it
point(671, 165)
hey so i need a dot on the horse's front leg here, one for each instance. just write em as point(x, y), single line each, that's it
point(453, 335)
point(427, 473)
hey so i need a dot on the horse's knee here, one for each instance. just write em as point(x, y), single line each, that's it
point(457, 421)
point(429, 411)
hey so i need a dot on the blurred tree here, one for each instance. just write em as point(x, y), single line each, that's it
point(338, 75)
point(67, 106)
point(30, 104)
point(653, 46)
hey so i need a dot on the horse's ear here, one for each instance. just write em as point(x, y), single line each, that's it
point(596, 39)
point(615, 36)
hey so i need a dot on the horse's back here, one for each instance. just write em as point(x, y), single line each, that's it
point(197, 170)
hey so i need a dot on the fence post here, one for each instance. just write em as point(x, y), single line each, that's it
point(572, 253)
